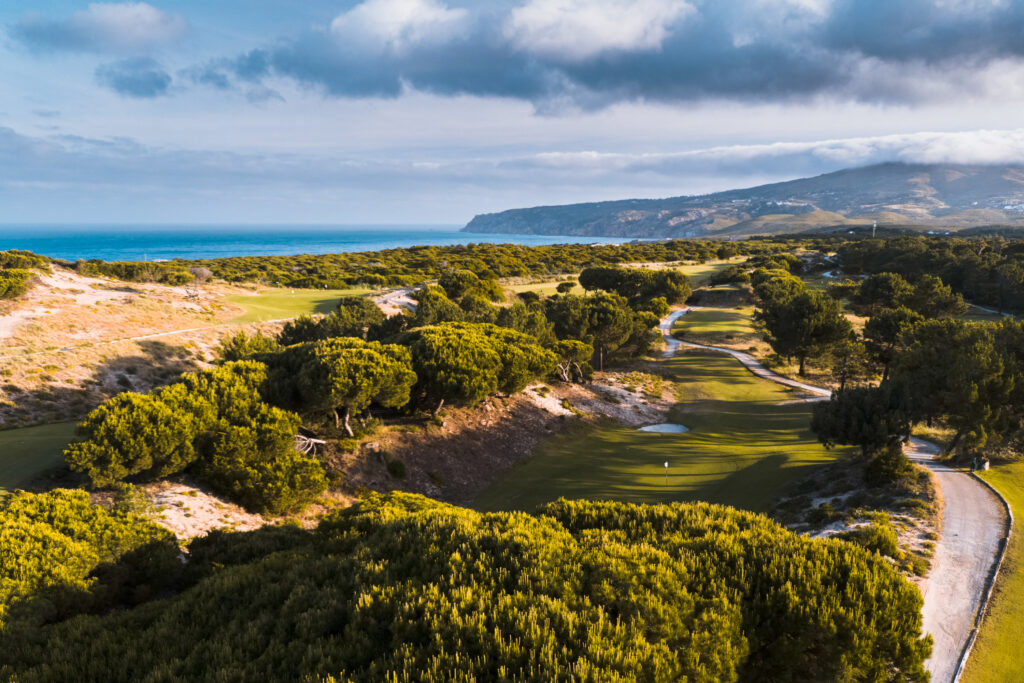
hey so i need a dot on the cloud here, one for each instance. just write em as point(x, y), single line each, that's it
point(69, 178)
point(139, 77)
point(575, 30)
point(794, 159)
point(589, 54)
point(133, 27)
point(397, 25)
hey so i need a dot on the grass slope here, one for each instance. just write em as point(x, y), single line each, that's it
point(995, 656)
point(743, 448)
point(26, 453)
point(275, 304)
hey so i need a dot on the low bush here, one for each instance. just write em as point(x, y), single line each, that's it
point(888, 466)
point(51, 546)
point(404, 588)
point(13, 282)
point(878, 536)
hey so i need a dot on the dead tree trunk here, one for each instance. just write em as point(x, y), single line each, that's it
point(348, 426)
point(338, 422)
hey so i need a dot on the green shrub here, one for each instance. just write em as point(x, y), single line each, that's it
point(888, 466)
point(396, 468)
point(13, 282)
point(17, 259)
point(405, 588)
point(241, 346)
point(52, 543)
point(878, 536)
point(133, 434)
point(215, 422)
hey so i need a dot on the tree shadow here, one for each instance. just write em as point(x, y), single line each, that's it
point(157, 364)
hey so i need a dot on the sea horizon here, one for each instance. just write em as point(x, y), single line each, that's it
point(168, 241)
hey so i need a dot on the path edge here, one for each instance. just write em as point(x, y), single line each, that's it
point(990, 582)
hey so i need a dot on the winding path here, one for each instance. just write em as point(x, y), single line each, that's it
point(973, 528)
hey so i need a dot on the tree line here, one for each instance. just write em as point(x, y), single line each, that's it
point(987, 271)
point(415, 265)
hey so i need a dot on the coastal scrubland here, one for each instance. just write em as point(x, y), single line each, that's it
point(296, 419)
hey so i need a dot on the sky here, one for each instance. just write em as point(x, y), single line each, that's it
point(431, 111)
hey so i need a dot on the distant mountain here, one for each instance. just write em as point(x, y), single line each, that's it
point(950, 196)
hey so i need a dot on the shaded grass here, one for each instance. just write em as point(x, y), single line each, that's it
point(743, 448)
point(976, 315)
point(28, 452)
point(995, 656)
point(274, 304)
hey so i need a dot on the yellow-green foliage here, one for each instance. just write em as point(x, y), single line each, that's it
point(215, 420)
point(13, 282)
point(417, 264)
point(402, 588)
point(49, 545)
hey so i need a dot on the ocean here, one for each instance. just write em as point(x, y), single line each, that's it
point(165, 242)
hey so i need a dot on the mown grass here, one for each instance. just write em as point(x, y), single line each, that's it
point(743, 449)
point(995, 656)
point(715, 325)
point(275, 304)
point(25, 453)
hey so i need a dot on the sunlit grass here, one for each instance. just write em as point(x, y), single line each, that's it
point(716, 325)
point(275, 304)
point(995, 656)
point(743, 449)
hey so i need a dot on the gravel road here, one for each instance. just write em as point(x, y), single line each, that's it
point(973, 524)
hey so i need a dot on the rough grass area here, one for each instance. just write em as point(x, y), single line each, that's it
point(996, 656)
point(27, 453)
point(276, 304)
point(743, 449)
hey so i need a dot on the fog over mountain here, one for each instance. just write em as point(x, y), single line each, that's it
point(952, 196)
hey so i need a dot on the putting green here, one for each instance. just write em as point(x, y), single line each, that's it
point(276, 304)
point(743, 448)
point(26, 453)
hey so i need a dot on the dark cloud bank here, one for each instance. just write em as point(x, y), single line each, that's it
point(867, 50)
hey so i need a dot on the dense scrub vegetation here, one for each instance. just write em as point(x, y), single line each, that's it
point(16, 271)
point(13, 282)
point(51, 546)
point(402, 588)
point(214, 423)
point(391, 267)
point(23, 260)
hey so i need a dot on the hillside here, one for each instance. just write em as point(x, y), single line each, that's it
point(947, 195)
